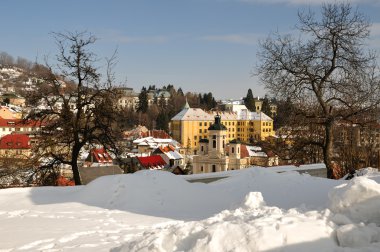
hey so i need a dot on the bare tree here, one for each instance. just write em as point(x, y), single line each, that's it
point(79, 114)
point(326, 72)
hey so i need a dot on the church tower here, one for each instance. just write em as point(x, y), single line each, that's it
point(217, 138)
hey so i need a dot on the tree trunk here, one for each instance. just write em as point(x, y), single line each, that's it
point(74, 167)
point(328, 149)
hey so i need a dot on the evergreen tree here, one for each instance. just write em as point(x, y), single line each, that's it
point(163, 121)
point(143, 101)
point(180, 92)
point(249, 101)
point(265, 107)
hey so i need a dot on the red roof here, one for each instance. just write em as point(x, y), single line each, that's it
point(243, 151)
point(151, 161)
point(15, 141)
point(99, 156)
point(18, 123)
point(167, 148)
point(156, 134)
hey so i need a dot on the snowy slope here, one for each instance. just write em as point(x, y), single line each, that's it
point(254, 209)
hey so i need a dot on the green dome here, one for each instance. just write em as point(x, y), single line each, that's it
point(217, 124)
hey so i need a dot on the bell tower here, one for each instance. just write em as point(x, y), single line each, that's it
point(217, 138)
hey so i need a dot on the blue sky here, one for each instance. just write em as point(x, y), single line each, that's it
point(198, 45)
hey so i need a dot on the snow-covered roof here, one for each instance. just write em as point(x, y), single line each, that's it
point(239, 113)
point(192, 114)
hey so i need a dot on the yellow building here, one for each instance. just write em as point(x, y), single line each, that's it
point(191, 124)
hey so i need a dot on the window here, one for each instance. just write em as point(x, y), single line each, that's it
point(213, 137)
point(238, 150)
point(223, 144)
point(214, 144)
point(201, 168)
point(205, 123)
point(232, 150)
point(205, 131)
point(202, 148)
point(213, 168)
point(200, 124)
point(200, 131)
point(195, 137)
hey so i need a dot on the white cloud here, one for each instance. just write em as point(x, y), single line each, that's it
point(244, 39)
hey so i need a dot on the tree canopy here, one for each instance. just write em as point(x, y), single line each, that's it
point(327, 72)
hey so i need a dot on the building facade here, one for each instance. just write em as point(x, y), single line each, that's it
point(191, 124)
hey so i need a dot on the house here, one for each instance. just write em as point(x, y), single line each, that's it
point(15, 146)
point(149, 144)
point(212, 155)
point(98, 163)
point(98, 157)
point(9, 113)
point(258, 157)
point(170, 155)
point(11, 126)
point(154, 162)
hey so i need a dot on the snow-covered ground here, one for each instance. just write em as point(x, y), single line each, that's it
point(255, 209)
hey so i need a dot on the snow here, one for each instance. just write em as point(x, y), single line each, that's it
point(254, 209)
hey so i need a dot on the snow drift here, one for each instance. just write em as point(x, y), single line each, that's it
point(254, 209)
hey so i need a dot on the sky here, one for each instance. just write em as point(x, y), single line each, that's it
point(198, 45)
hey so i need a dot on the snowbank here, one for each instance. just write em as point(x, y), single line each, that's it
point(359, 200)
point(253, 209)
point(252, 227)
point(351, 223)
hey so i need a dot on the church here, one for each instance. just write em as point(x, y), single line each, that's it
point(212, 155)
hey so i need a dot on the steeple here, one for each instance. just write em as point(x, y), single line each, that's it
point(187, 106)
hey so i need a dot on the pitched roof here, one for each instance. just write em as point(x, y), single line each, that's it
point(156, 134)
point(151, 161)
point(167, 148)
point(192, 114)
point(99, 156)
point(15, 141)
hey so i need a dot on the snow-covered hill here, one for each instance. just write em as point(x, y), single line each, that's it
point(254, 209)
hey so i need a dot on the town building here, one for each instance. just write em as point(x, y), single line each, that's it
point(11, 126)
point(154, 162)
point(170, 155)
point(191, 124)
point(7, 112)
point(130, 99)
point(212, 155)
point(16, 146)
